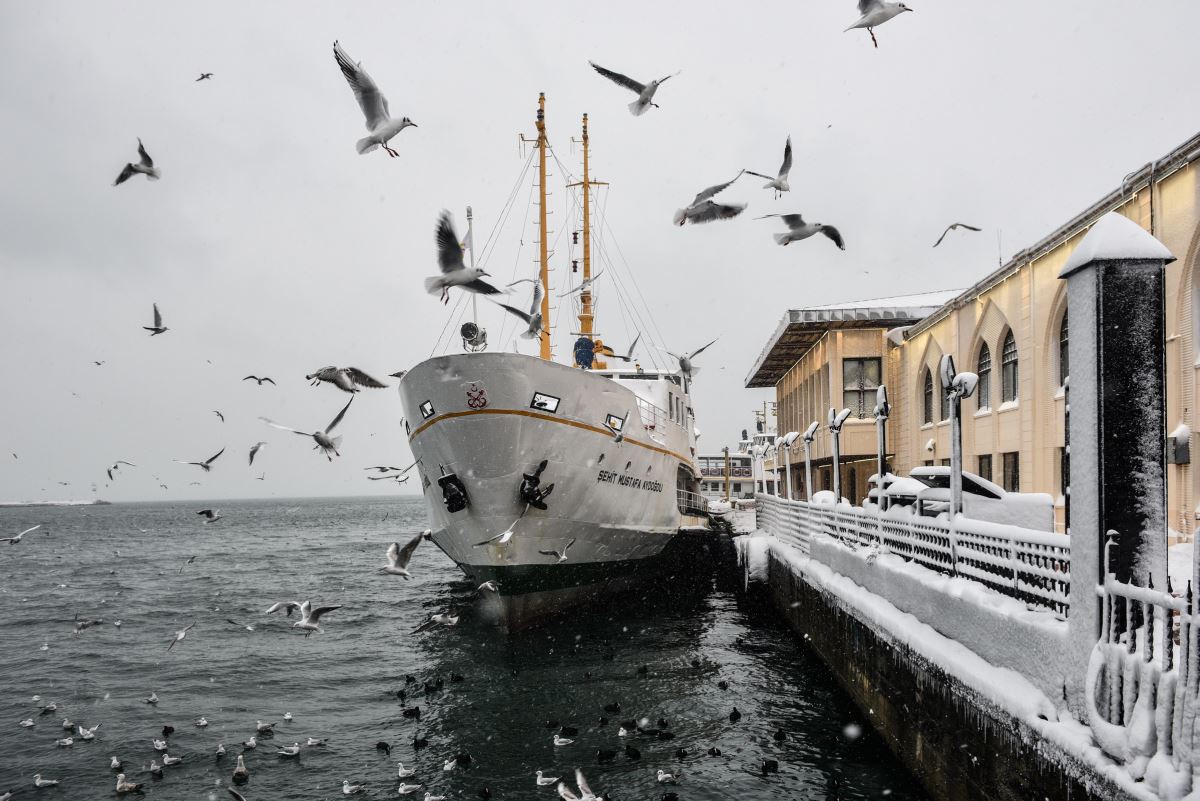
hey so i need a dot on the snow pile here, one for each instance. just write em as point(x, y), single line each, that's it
point(1179, 564)
point(753, 552)
point(1115, 236)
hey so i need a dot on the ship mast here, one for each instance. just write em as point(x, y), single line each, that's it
point(543, 255)
point(586, 314)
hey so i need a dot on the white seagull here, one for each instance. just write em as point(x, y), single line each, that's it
point(289, 750)
point(327, 444)
point(39, 782)
point(254, 449)
point(405, 789)
point(210, 516)
point(68, 725)
point(876, 12)
point(542, 781)
point(352, 789)
point(645, 92)
point(158, 327)
point(169, 760)
point(668, 778)
point(160, 745)
point(954, 227)
point(560, 740)
point(488, 586)
point(313, 741)
point(152, 698)
point(780, 182)
point(381, 125)
point(124, 786)
point(799, 229)
point(440, 619)
point(347, 379)
point(398, 558)
point(561, 556)
point(533, 320)
point(310, 618)
point(263, 728)
point(582, 286)
point(403, 772)
point(605, 350)
point(27, 723)
point(432, 797)
point(251, 744)
point(179, 635)
point(240, 773)
point(686, 367)
point(145, 166)
point(114, 764)
point(206, 465)
point(290, 606)
point(14, 540)
point(65, 742)
point(703, 209)
point(454, 270)
point(201, 722)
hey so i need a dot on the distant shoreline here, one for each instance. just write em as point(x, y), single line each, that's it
point(13, 504)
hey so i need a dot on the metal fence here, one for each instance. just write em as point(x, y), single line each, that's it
point(1032, 566)
point(691, 503)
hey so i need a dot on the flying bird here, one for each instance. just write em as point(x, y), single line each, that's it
point(210, 515)
point(454, 271)
point(582, 286)
point(344, 378)
point(204, 76)
point(145, 166)
point(533, 320)
point(179, 635)
point(259, 380)
point(327, 444)
point(218, 414)
point(398, 558)
point(686, 367)
point(440, 619)
point(158, 327)
point(310, 618)
point(645, 92)
point(254, 449)
point(628, 357)
point(703, 210)
point(381, 125)
point(190, 559)
point(876, 12)
point(16, 539)
point(561, 556)
point(799, 229)
point(954, 227)
point(116, 465)
point(780, 182)
point(386, 469)
point(206, 465)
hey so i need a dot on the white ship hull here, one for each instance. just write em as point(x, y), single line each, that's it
point(614, 499)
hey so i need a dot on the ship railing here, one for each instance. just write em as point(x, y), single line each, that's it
point(691, 503)
point(1031, 566)
point(654, 419)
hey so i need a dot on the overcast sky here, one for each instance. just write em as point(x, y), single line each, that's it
point(273, 248)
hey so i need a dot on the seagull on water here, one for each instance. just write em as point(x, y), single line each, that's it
point(560, 740)
point(313, 741)
point(289, 750)
point(179, 635)
point(703, 209)
point(432, 797)
point(206, 465)
point(14, 540)
point(345, 378)
point(799, 229)
point(39, 782)
point(780, 182)
point(289, 606)
point(533, 320)
point(201, 722)
point(455, 272)
point(440, 619)
point(382, 126)
point(352, 789)
point(543, 781)
point(287, 716)
point(645, 92)
point(327, 444)
point(160, 745)
point(152, 698)
point(210, 515)
point(124, 786)
point(156, 769)
point(81, 625)
point(240, 774)
point(252, 743)
point(27, 723)
point(668, 778)
point(220, 752)
point(404, 773)
point(310, 618)
point(875, 13)
point(584, 285)
point(88, 734)
point(686, 367)
point(145, 166)
point(114, 764)
point(65, 742)
point(158, 326)
point(405, 789)
point(263, 728)
point(169, 760)
point(398, 558)
point(561, 556)
point(954, 227)
point(67, 725)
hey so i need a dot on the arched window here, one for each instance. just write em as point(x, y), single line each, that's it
point(945, 399)
point(1063, 361)
point(928, 416)
point(1008, 368)
point(983, 368)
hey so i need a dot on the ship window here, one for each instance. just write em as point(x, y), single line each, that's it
point(614, 422)
point(407, 430)
point(426, 410)
point(545, 402)
point(634, 377)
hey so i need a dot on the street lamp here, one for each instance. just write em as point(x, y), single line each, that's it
point(786, 442)
point(957, 386)
point(836, 419)
point(810, 434)
point(882, 409)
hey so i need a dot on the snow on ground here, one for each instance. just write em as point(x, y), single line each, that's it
point(1179, 565)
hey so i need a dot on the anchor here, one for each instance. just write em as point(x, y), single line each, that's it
point(531, 491)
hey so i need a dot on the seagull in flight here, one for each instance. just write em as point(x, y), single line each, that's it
point(398, 558)
point(254, 449)
point(645, 92)
point(455, 272)
point(876, 12)
point(206, 465)
point(179, 635)
point(584, 285)
point(204, 76)
point(605, 350)
point(381, 468)
point(190, 559)
point(145, 166)
point(685, 361)
point(218, 414)
point(15, 540)
point(246, 626)
point(954, 227)
point(703, 209)
point(440, 619)
point(116, 465)
point(533, 320)
point(327, 444)
point(158, 327)
point(561, 556)
point(259, 380)
point(382, 126)
point(780, 182)
point(344, 378)
point(799, 229)
point(310, 618)
point(210, 515)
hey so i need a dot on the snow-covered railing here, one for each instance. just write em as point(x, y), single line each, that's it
point(1032, 566)
point(1143, 682)
point(654, 419)
point(691, 502)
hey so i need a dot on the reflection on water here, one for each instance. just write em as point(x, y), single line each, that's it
point(124, 563)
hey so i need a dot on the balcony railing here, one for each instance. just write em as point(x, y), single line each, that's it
point(691, 503)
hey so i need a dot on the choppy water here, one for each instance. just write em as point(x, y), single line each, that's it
point(123, 563)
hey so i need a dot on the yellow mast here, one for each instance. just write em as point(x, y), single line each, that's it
point(586, 315)
point(544, 258)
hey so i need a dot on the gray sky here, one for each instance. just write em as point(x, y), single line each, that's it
point(273, 248)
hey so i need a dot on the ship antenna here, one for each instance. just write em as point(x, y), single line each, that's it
point(543, 255)
point(586, 314)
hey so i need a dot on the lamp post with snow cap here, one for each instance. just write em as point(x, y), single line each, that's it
point(957, 386)
point(810, 434)
point(787, 440)
point(882, 410)
point(836, 419)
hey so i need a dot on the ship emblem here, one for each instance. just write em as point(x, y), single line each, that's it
point(476, 396)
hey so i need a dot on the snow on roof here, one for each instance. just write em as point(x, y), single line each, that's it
point(1115, 236)
point(934, 298)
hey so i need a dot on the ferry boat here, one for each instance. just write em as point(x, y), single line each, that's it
point(562, 484)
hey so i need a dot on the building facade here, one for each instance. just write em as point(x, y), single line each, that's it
point(1011, 329)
